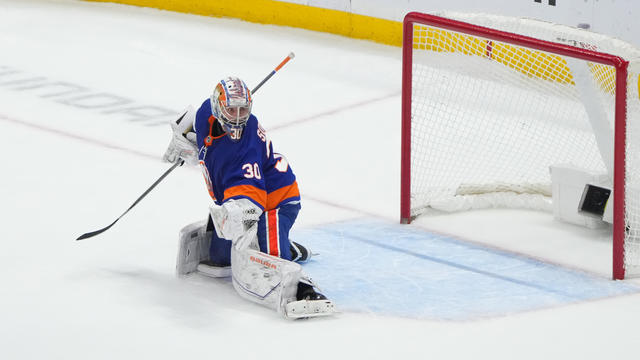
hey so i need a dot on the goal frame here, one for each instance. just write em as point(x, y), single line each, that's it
point(617, 62)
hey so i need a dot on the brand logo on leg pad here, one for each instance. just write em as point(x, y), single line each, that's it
point(263, 262)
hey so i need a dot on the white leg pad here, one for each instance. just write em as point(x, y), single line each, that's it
point(271, 281)
point(194, 247)
point(265, 279)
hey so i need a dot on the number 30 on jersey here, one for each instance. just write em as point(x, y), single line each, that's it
point(251, 171)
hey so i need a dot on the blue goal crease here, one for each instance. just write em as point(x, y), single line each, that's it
point(372, 266)
point(464, 267)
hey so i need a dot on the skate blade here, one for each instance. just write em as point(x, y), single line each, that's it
point(309, 308)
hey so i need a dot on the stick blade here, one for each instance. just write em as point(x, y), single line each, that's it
point(88, 235)
point(94, 233)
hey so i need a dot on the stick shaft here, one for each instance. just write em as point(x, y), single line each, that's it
point(97, 232)
point(273, 72)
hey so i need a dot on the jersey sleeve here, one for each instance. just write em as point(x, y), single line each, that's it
point(280, 181)
point(201, 123)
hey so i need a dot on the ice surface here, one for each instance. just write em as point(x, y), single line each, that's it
point(392, 269)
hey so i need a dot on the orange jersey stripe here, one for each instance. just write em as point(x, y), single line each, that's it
point(272, 218)
point(274, 198)
point(250, 191)
point(207, 179)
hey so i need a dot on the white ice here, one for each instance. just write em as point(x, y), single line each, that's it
point(71, 166)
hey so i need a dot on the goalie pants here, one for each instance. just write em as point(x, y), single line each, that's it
point(273, 235)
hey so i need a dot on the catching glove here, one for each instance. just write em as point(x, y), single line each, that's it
point(183, 140)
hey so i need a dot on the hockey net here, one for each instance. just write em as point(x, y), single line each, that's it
point(490, 103)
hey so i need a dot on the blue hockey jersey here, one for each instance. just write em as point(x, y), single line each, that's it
point(247, 168)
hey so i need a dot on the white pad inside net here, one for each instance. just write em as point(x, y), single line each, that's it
point(490, 118)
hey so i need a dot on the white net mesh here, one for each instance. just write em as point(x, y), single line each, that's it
point(490, 118)
point(632, 181)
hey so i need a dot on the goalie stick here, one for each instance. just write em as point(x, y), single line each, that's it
point(178, 163)
point(274, 71)
point(94, 233)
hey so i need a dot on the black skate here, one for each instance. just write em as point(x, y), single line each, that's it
point(299, 253)
point(307, 292)
point(310, 303)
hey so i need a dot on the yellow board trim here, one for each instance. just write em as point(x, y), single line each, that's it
point(532, 63)
point(286, 14)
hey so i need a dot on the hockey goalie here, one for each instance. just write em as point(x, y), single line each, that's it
point(256, 202)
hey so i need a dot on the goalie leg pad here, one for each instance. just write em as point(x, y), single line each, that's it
point(272, 281)
point(265, 279)
point(193, 248)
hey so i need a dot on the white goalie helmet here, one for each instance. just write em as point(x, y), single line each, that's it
point(231, 105)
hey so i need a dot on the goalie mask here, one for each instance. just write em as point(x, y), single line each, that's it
point(231, 105)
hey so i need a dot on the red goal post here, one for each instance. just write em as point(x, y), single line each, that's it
point(620, 65)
